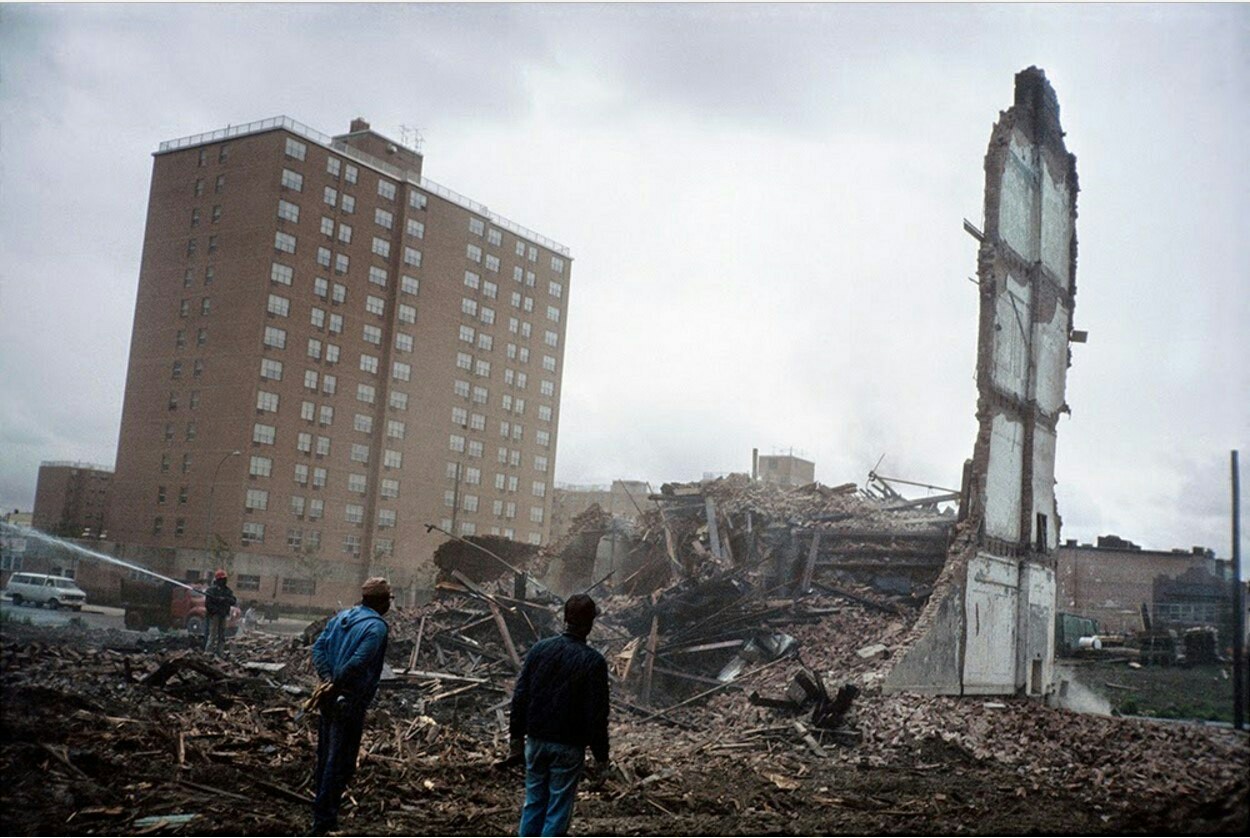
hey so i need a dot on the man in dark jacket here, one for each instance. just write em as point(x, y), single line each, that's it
point(348, 658)
point(559, 707)
point(218, 600)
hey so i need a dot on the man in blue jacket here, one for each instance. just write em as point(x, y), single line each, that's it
point(559, 707)
point(348, 657)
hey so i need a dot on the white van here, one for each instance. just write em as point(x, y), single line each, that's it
point(40, 589)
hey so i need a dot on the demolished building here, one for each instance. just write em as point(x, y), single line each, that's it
point(989, 626)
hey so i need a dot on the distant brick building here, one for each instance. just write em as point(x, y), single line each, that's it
point(1109, 581)
point(785, 470)
point(71, 500)
point(622, 499)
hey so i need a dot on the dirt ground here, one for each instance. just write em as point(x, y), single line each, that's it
point(90, 745)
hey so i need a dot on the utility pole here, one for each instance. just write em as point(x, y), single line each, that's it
point(1239, 608)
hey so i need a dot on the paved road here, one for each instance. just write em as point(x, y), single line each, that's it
point(95, 616)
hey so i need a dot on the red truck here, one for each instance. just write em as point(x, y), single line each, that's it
point(168, 606)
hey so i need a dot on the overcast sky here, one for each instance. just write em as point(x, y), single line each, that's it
point(764, 206)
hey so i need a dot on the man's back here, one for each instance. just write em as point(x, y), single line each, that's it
point(562, 695)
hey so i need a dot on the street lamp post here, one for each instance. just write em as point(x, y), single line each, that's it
point(208, 524)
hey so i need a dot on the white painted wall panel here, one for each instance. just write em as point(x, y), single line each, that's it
point(1044, 485)
point(1051, 360)
point(1018, 201)
point(1056, 228)
point(1004, 474)
point(1011, 351)
point(991, 602)
point(1036, 627)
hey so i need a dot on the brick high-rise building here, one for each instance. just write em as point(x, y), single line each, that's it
point(330, 352)
point(71, 499)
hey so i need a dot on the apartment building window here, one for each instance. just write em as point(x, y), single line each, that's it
point(327, 226)
point(186, 463)
point(220, 183)
point(176, 370)
point(464, 360)
point(351, 545)
point(544, 412)
point(330, 196)
point(538, 489)
point(294, 537)
point(334, 166)
point(375, 305)
point(377, 276)
point(368, 363)
point(348, 204)
point(543, 438)
point(403, 342)
point(206, 306)
point(456, 443)
point(472, 280)
point(555, 289)
point(267, 402)
point(529, 304)
point(329, 383)
point(526, 329)
point(516, 299)
point(476, 448)
point(338, 295)
point(284, 242)
point(253, 533)
point(288, 211)
point(321, 286)
point(257, 500)
point(199, 186)
point(264, 434)
point(389, 487)
point(407, 314)
point(386, 518)
point(473, 252)
point(414, 228)
point(553, 314)
point(292, 180)
point(310, 380)
point(549, 363)
point(381, 247)
point(360, 453)
point(412, 257)
point(323, 446)
point(547, 388)
point(487, 315)
point(223, 154)
point(485, 342)
point(536, 514)
point(383, 219)
point(201, 337)
point(467, 333)
point(314, 349)
point(520, 249)
point(416, 200)
point(551, 338)
point(326, 416)
point(341, 263)
point(304, 442)
point(298, 501)
point(480, 395)
point(461, 389)
point(210, 274)
point(529, 279)
point(386, 189)
point(469, 503)
point(540, 463)
point(164, 464)
point(318, 482)
point(392, 459)
point(271, 369)
point(275, 338)
point(365, 393)
point(363, 423)
point(158, 524)
point(194, 401)
point(296, 149)
point(505, 429)
point(301, 475)
point(195, 217)
point(401, 371)
point(477, 227)
point(482, 369)
point(410, 285)
point(353, 513)
point(532, 253)
point(492, 263)
point(160, 494)
point(345, 233)
point(356, 483)
point(468, 306)
point(459, 416)
point(495, 237)
point(278, 306)
point(260, 466)
point(191, 432)
point(192, 244)
point(180, 340)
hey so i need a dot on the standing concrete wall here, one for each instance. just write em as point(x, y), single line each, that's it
point(994, 605)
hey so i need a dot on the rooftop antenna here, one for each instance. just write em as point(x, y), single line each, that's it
point(411, 137)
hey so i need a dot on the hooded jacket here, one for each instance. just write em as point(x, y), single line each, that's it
point(561, 695)
point(349, 652)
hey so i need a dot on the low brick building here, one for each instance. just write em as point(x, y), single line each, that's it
point(71, 499)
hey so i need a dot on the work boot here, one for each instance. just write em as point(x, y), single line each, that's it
point(324, 827)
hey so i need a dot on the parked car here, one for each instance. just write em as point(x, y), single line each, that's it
point(165, 605)
point(41, 589)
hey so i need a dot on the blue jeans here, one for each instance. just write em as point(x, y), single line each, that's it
point(552, 772)
point(338, 742)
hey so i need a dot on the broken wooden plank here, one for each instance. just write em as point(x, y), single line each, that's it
point(649, 668)
point(416, 647)
point(505, 634)
point(805, 582)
